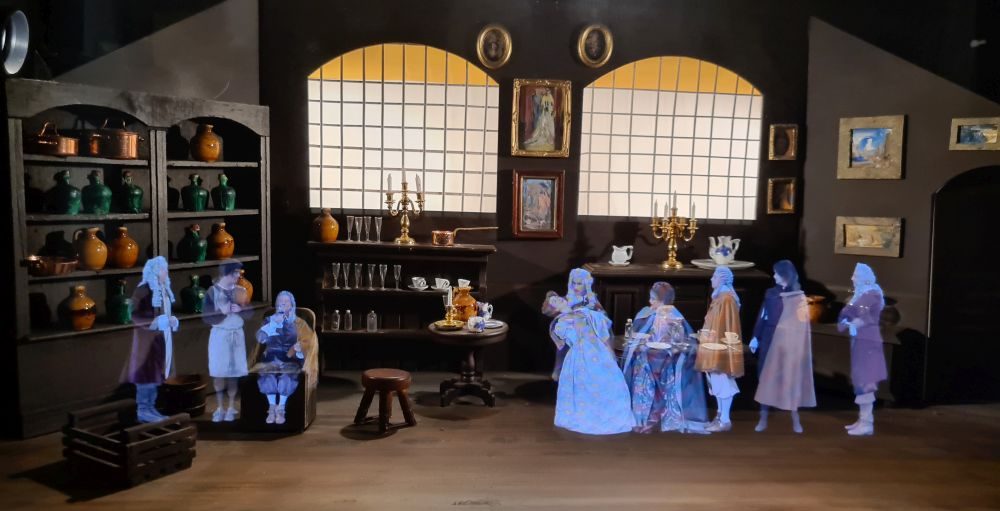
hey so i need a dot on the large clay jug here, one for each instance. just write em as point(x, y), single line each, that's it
point(124, 250)
point(464, 303)
point(193, 296)
point(96, 195)
point(92, 252)
point(325, 228)
point(245, 284)
point(224, 196)
point(63, 198)
point(195, 197)
point(206, 145)
point(191, 248)
point(79, 310)
point(220, 244)
point(119, 305)
point(131, 201)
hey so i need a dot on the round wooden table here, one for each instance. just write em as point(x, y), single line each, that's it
point(470, 380)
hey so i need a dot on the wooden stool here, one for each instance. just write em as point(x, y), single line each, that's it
point(385, 381)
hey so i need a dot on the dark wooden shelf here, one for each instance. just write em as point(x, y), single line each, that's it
point(83, 160)
point(88, 274)
point(388, 247)
point(40, 218)
point(189, 164)
point(387, 292)
point(211, 213)
point(404, 334)
point(176, 265)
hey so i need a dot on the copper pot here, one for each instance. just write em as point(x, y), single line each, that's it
point(115, 143)
point(44, 266)
point(52, 144)
point(447, 238)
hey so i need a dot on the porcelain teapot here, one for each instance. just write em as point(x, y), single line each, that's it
point(621, 255)
point(724, 250)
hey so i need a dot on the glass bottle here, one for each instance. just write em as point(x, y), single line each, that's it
point(628, 329)
point(336, 320)
point(372, 321)
point(348, 320)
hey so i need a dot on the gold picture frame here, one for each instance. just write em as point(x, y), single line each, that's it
point(781, 196)
point(871, 147)
point(783, 142)
point(975, 134)
point(868, 236)
point(540, 120)
point(594, 45)
point(494, 46)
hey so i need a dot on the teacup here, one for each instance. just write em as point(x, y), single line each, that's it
point(485, 310)
point(640, 338)
point(732, 337)
point(707, 335)
point(476, 324)
point(464, 283)
point(419, 282)
point(442, 283)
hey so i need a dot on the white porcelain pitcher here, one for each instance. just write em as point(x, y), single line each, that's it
point(723, 250)
point(621, 255)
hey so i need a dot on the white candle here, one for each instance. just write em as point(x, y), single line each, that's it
point(675, 198)
point(418, 184)
point(693, 206)
point(390, 183)
point(666, 208)
point(449, 297)
point(656, 206)
point(404, 179)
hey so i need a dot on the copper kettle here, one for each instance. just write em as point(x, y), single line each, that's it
point(115, 143)
point(447, 238)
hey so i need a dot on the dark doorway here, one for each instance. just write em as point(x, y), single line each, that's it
point(965, 289)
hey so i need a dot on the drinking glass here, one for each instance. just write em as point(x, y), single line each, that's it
point(371, 276)
point(350, 225)
point(357, 226)
point(334, 272)
point(378, 229)
point(347, 275)
point(381, 271)
point(368, 229)
point(397, 269)
point(357, 274)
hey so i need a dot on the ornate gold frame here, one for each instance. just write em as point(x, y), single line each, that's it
point(508, 46)
point(892, 169)
point(771, 210)
point(893, 250)
point(792, 130)
point(566, 87)
point(609, 43)
point(953, 144)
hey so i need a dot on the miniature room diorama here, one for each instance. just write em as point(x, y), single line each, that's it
point(466, 250)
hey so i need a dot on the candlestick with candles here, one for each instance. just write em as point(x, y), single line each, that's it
point(405, 207)
point(671, 228)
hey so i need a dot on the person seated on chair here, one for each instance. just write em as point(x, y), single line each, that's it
point(287, 346)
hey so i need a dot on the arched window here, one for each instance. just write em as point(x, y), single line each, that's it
point(670, 124)
point(385, 109)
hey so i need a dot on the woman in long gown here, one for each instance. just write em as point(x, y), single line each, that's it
point(860, 317)
point(543, 134)
point(786, 379)
point(725, 365)
point(592, 396)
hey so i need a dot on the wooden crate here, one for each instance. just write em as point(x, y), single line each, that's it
point(106, 442)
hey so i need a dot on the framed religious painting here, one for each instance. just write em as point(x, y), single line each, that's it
point(493, 46)
point(541, 118)
point(538, 204)
point(868, 236)
point(975, 134)
point(781, 196)
point(871, 148)
point(783, 142)
point(594, 45)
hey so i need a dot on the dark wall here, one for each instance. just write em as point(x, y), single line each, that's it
point(851, 78)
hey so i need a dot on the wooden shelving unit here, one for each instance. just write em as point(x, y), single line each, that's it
point(186, 164)
point(89, 161)
point(212, 213)
point(41, 218)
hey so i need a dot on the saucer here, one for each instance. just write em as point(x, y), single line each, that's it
point(443, 289)
point(657, 345)
point(612, 263)
point(415, 288)
point(493, 323)
point(709, 264)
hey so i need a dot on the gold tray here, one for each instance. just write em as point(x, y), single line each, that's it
point(444, 324)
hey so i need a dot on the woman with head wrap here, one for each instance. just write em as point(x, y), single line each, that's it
point(724, 364)
point(860, 317)
point(592, 396)
point(785, 361)
point(227, 351)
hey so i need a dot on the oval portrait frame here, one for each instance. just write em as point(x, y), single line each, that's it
point(609, 45)
point(508, 46)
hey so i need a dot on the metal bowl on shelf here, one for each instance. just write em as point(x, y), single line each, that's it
point(45, 266)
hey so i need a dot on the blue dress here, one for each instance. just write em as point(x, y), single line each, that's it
point(767, 321)
point(592, 397)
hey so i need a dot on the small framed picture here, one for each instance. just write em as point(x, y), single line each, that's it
point(781, 195)
point(538, 204)
point(783, 142)
point(541, 118)
point(869, 236)
point(975, 134)
point(871, 148)
point(594, 45)
point(493, 46)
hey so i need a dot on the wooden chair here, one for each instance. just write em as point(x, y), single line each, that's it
point(385, 382)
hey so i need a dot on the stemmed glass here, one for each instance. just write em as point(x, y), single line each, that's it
point(368, 229)
point(371, 279)
point(334, 272)
point(347, 275)
point(357, 274)
point(357, 226)
point(381, 270)
point(397, 269)
point(378, 229)
point(350, 225)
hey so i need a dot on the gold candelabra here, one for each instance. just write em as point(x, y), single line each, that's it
point(671, 228)
point(405, 207)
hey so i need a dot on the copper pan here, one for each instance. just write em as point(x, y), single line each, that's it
point(447, 238)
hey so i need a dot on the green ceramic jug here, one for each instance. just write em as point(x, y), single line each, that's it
point(63, 198)
point(119, 305)
point(131, 194)
point(96, 195)
point(193, 296)
point(194, 196)
point(224, 196)
point(191, 248)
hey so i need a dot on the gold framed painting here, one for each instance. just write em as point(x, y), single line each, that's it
point(541, 117)
point(781, 196)
point(783, 142)
point(975, 134)
point(494, 46)
point(868, 236)
point(538, 204)
point(871, 148)
point(594, 45)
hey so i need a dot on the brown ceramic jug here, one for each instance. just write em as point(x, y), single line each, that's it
point(325, 228)
point(92, 252)
point(245, 284)
point(124, 250)
point(220, 244)
point(465, 304)
point(79, 309)
point(206, 145)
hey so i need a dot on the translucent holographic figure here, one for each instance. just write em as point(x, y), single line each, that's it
point(722, 366)
point(860, 318)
